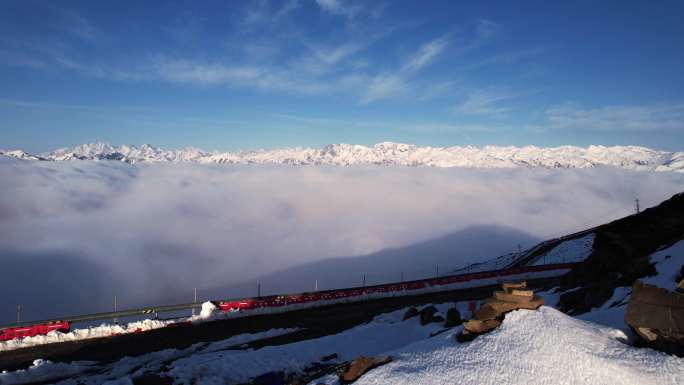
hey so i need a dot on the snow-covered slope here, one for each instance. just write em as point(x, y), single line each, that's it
point(669, 263)
point(530, 347)
point(570, 251)
point(388, 153)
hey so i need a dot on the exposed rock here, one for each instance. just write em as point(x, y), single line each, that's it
point(361, 365)
point(521, 293)
point(495, 308)
point(514, 285)
point(620, 255)
point(481, 326)
point(453, 318)
point(511, 297)
point(657, 317)
point(410, 313)
point(329, 357)
point(491, 313)
point(427, 315)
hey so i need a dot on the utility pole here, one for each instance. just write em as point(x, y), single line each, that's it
point(18, 313)
point(194, 301)
point(364, 281)
point(636, 205)
point(259, 289)
point(116, 321)
point(316, 286)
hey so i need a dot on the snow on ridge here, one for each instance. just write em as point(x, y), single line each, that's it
point(570, 251)
point(389, 153)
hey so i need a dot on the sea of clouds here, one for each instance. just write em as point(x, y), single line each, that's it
point(73, 234)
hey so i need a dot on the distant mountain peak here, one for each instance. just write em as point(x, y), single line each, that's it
point(385, 153)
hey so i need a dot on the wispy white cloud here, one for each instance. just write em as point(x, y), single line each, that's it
point(384, 86)
point(425, 54)
point(392, 84)
point(485, 102)
point(657, 117)
point(340, 7)
point(184, 71)
point(416, 126)
point(486, 29)
point(262, 11)
point(76, 25)
point(269, 52)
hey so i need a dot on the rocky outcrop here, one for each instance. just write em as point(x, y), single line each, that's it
point(657, 316)
point(514, 296)
point(620, 255)
point(361, 365)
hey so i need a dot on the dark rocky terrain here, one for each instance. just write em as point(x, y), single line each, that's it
point(621, 254)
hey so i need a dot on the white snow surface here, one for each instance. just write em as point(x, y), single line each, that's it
point(92, 373)
point(530, 347)
point(667, 261)
point(389, 153)
point(103, 330)
point(570, 251)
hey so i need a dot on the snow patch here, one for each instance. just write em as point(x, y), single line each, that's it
point(208, 310)
point(668, 263)
point(571, 251)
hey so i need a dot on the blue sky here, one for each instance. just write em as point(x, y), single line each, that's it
point(262, 74)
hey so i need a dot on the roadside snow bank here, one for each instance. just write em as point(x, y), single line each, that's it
point(208, 310)
point(530, 347)
point(104, 330)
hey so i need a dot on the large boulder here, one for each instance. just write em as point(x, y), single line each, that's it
point(427, 315)
point(361, 365)
point(657, 317)
point(453, 318)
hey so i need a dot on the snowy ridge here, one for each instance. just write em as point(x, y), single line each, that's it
point(387, 153)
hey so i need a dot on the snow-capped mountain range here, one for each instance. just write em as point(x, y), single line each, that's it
point(386, 153)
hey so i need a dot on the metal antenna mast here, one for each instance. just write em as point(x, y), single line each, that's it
point(636, 205)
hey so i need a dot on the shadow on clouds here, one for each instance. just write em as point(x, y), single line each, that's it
point(74, 234)
point(421, 260)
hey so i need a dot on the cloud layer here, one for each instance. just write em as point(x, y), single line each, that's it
point(157, 231)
